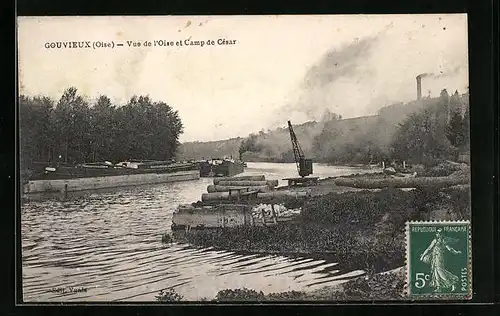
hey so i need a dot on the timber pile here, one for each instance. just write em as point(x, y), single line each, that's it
point(236, 188)
point(407, 182)
point(223, 188)
point(240, 178)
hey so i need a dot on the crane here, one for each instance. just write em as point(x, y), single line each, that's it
point(304, 166)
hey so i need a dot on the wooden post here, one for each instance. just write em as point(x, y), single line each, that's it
point(274, 214)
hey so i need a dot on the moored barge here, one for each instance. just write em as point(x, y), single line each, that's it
point(89, 176)
point(225, 167)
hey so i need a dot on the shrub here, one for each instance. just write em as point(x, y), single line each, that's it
point(442, 169)
point(243, 294)
point(168, 295)
point(166, 239)
point(379, 286)
point(287, 296)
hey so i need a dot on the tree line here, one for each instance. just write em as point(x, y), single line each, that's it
point(423, 131)
point(72, 130)
point(440, 131)
point(437, 130)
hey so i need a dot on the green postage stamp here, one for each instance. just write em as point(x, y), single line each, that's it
point(438, 260)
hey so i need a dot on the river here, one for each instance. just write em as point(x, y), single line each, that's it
point(107, 246)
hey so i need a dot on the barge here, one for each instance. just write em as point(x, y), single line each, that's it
point(225, 167)
point(89, 176)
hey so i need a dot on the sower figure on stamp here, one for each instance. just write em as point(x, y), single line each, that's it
point(434, 254)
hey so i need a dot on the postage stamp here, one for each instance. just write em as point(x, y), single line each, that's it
point(438, 259)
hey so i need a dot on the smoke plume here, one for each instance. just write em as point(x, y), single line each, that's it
point(442, 74)
point(338, 63)
point(315, 93)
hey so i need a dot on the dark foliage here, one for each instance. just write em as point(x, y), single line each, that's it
point(166, 239)
point(388, 286)
point(249, 144)
point(434, 134)
point(286, 296)
point(73, 131)
point(375, 287)
point(242, 295)
point(168, 295)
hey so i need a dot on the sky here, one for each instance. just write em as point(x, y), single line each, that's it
point(279, 68)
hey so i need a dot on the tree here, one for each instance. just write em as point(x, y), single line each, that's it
point(72, 119)
point(101, 120)
point(36, 132)
point(324, 143)
point(466, 129)
point(168, 124)
point(455, 132)
point(249, 144)
point(421, 138)
point(455, 104)
point(444, 106)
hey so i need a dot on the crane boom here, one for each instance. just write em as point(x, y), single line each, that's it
point(304, 166)
point(297, 151)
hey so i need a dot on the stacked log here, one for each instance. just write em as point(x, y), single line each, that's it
point(250, 183)
point(245, 183)
point(276, 194)
point(401, 182)
point(240, 178)
point(235, 195)
point(221, 188)
point(232, 188)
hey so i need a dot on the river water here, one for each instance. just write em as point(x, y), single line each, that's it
point(107, 246)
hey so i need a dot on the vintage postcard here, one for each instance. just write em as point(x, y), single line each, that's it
point(244, 158)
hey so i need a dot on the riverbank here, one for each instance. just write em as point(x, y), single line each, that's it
point(362, 226)
point(365, 227)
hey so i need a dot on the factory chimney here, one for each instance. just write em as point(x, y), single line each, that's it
point(419, 87)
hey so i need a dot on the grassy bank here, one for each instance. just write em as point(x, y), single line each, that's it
point(365, 227)
point(387, 286)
